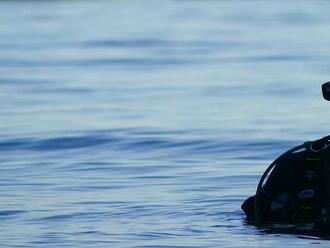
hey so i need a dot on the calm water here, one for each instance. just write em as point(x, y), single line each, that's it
point(147, 123)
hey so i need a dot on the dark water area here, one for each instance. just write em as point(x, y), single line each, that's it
point(147, 123)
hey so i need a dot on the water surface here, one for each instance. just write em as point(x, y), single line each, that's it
point(147, 123)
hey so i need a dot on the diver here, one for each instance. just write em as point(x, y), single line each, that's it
point(295, 188)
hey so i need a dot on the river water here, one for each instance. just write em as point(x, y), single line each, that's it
point(147, 123)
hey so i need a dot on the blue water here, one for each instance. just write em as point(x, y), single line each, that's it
point(147, 123)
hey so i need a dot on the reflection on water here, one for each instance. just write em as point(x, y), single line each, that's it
point(147, 123)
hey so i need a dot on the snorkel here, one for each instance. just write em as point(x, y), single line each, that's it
point(326, 91)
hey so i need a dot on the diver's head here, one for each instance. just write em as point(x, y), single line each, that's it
point(326, 91)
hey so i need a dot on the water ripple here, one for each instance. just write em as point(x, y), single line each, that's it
point(5, 214)
point(129, 141)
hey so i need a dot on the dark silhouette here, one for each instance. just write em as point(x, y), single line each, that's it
point(295, 189)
